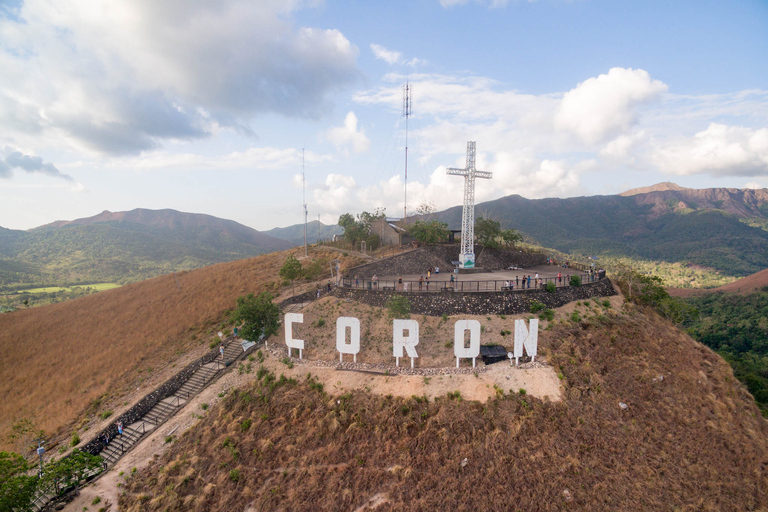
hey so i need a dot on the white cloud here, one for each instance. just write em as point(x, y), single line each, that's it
point(349, 135)
point(16, 160)
point(720, 150)
point(624, 148)
point(513, 173)
point(122, 76)
point(542, 145)
point(603, 107)
point(388, 56)
point(257, 158)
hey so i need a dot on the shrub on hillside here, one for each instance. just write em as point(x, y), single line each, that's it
point(547, 314)
point(291, 270)
point(575, 281)
point(537, 306)
point(399, 306)
point(258, 315)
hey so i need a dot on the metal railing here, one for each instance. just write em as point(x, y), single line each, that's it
point(516, 284)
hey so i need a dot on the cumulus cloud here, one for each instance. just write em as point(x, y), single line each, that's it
point(602, 107)
point(121, 76)
point(30, 164)
point(349, 135)
point(720, 150)
point(388, 56)
point(513, 173)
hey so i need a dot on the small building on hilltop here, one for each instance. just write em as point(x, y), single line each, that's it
point(389, 231)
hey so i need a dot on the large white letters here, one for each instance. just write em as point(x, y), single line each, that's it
point(353, 347)
point(459, 350)
point(524, 338)
point(400, 341)
point(290, 319)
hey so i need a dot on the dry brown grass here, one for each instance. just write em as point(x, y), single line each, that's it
point(694, 440)
point(57, 360)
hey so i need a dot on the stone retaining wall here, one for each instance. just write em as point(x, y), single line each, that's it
point(481, 303)
point(304, 297)
point(143, 406)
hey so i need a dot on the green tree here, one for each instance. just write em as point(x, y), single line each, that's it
point(487, 232)
point(23, 433)
point(399, 306)
point(650, 291)
point(256, 315)
point(509, 237)
point(17, 488)
point(291, 270)
point(429, 232)
point(70, 471)
point(356, 230)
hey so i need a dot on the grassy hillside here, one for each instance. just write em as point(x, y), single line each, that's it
point(121, 248)
point(690, 438)
point(709, 228)
point(61, 360)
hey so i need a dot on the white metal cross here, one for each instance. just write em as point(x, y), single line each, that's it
point(467, 256)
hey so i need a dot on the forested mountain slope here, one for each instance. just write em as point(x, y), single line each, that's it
point(722, 229)
point(125, 247)
point(316, 230)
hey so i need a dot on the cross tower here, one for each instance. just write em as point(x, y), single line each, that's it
point(467, 256)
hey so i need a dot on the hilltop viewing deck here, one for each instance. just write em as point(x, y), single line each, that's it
point(509, 280)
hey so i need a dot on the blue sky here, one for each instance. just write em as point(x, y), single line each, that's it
point(205, 106)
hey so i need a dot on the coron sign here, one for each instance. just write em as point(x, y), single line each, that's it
point(405, 338)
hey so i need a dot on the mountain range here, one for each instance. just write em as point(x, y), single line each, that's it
point(316, 230)
point(125, 246)
point(720, 228)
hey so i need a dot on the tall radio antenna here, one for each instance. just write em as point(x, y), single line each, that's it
point(304, 199)
point(406, 113)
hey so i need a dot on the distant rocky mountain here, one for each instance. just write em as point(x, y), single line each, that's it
point(659, 187)
point(126, 246)
point(720, 228)
point(316, 230)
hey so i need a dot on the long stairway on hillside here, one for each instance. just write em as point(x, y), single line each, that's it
point(168, 406)
point(156, 416)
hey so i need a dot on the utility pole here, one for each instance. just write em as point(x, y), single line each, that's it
point(406, 113)
point(304, 200)
point(40, 452)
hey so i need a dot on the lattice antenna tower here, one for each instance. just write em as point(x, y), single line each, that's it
point(406, 113)
point(304, 200)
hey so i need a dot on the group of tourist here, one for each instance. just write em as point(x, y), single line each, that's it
point(534, 281)
point(526, 281)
